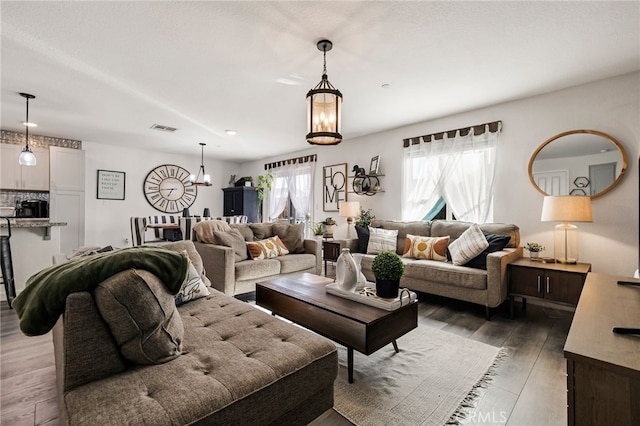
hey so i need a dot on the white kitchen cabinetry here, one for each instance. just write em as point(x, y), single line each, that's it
point(29, 178)
point(67, 196)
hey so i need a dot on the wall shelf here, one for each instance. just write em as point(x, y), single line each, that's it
point(366, 184)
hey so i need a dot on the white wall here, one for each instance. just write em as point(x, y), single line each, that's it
point(107, 221)
point(612, 106)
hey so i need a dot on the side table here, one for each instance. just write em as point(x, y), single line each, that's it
point(330, 252)
point(556, 282)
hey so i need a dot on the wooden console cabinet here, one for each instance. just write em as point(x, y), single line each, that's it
point(554, 282)
point(603, 368)
point(241, 200)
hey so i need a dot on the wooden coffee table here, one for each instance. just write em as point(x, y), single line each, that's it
point(304, 300)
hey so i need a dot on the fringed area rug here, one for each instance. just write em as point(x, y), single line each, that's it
point(431, 381)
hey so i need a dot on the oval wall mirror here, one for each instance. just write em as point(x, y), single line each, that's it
point(578, 162)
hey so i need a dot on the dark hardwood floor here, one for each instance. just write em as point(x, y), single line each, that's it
point(529, 387)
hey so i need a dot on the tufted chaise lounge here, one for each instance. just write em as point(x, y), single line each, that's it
point(239, 366)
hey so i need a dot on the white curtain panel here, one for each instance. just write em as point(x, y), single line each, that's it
point(300, 182)
point(278, 195)
point(460, 169)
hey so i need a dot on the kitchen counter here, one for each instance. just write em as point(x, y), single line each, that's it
point(27, 222)
point(40, 222)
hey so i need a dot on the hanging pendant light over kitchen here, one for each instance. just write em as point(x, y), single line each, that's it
point(324, 108)
point(27, 158)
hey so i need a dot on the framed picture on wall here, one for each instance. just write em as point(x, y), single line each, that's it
point(375, 165)
point(110, 185)
point(334, 186)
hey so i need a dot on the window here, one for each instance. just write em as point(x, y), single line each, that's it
point(454, 173)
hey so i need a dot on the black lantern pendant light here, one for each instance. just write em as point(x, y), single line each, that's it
point(206, 179)
point(27, 157)
point(324, 108)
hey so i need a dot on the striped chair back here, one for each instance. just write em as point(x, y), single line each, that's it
point(138, 229)
point(162, 219)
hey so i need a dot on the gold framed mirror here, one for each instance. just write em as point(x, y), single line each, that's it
point(578, 162)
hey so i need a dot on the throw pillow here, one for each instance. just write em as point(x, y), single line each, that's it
point(363, 238)
point(267, 249)
point(141, 315)
point(430, 248)
point(496, 243)
point(470, 244)
point(261, 231)
point(203, 231)
point(192, 287)
point(234, 239)
point(291, 235)
point(382, 240)
point(244, 230)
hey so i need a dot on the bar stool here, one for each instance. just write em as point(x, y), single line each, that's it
point(7, 265)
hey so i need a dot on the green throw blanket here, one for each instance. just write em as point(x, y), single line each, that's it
point(43, 300)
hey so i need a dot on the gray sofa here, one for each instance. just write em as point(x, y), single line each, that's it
point(232, 276)
point(238, 366)
point(484, 287)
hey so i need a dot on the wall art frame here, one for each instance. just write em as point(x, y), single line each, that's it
point(334, 178)
point(110, 185)
point(374, 167)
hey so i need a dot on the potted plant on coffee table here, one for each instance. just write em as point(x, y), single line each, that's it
point(388, 269)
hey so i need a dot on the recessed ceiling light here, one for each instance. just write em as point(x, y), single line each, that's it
point(385, 86)
point(230, 132)
point(29, 124)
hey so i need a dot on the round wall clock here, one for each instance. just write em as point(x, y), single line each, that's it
point(167, 189)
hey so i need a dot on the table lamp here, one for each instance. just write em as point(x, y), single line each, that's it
point(566, 208)
point(350, 209)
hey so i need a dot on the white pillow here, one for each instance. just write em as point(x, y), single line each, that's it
point(382, 240)
point(470, 244)
point(192, 287)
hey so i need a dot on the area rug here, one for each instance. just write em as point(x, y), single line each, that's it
point(429, 382)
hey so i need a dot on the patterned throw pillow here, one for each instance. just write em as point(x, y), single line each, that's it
point(192, 287)
point(267, 249)
point(470, 244)
point(382, 240)
point(430, 248)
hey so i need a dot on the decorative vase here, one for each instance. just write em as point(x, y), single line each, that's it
point(534, 254)
point(387, 289)
point(346, 271)
point(362, 280)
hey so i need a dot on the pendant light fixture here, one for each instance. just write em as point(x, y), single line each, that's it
point(27, 157)
point(324, 108)
point(206, 179)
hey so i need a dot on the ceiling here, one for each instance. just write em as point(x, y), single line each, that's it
point(107, 71)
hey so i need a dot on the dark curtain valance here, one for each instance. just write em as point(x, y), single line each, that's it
point(297, 160)
point(477, 130)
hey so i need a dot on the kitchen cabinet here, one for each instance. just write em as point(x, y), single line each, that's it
point(15, 176)
point(67, 196)
point(555, 282)
point(241, 200)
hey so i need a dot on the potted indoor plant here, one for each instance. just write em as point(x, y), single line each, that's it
point(328, 226)
point(317, 230)
point(534, 249)
point(388, 268)
point(366, 216)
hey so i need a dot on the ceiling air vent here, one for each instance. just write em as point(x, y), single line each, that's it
point(163, 128)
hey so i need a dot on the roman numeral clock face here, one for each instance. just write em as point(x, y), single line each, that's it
point(167, 189)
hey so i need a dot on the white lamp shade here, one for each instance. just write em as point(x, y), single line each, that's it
point(350, 209)
point(27, 157)
point(566, 208)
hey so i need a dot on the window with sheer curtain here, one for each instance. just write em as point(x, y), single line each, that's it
point(457, 170)
point(292, 190)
